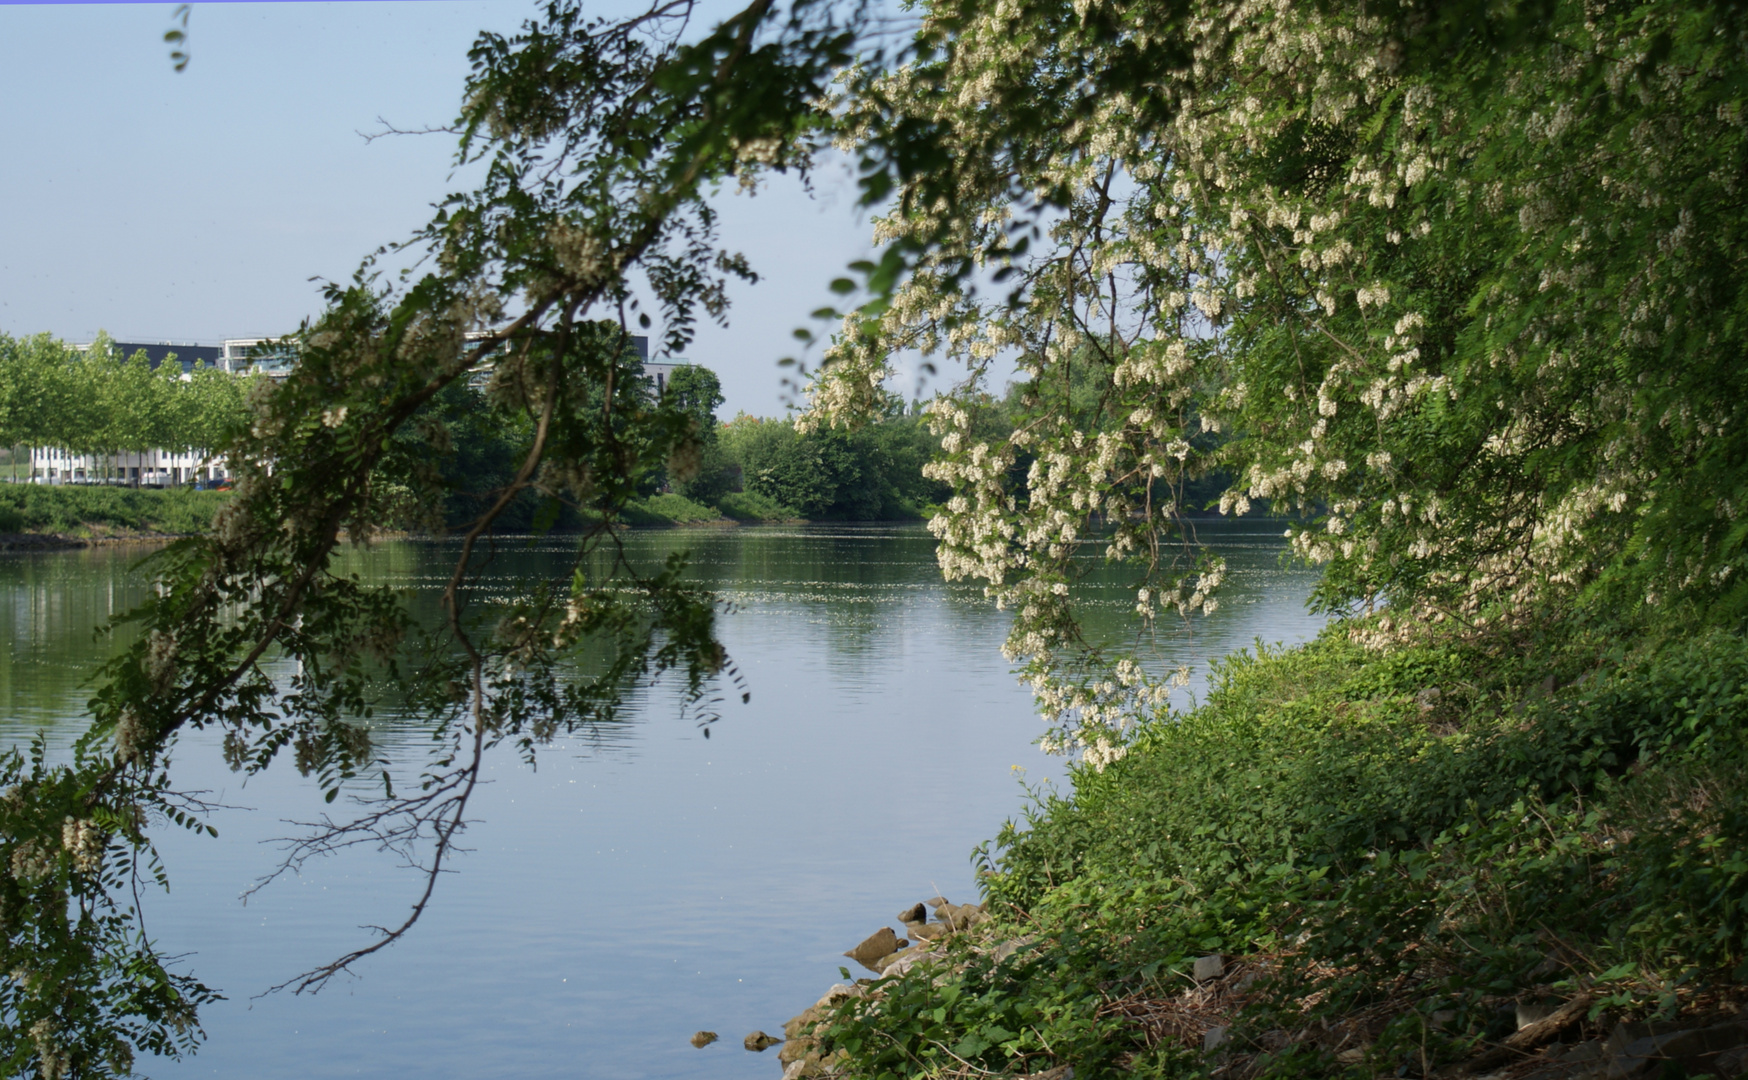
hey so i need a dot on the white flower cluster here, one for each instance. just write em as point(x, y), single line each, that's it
point(84, 842)
point(1185, 292)
point(53, 1061)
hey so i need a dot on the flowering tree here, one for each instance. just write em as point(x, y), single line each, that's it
point(1460, 289)
point(1457, 285)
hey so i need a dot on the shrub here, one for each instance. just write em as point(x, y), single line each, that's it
point(1376, 852)
point(669, 508)
point(101, 509)
point(751, 506)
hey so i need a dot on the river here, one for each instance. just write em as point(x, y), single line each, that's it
point(644, 882)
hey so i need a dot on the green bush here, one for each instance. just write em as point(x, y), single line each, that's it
point(873, 473)
point(101, 510)
point(1381, 851)
point(751, 506)
point(669, 509)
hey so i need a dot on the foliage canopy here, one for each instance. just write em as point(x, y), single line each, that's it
point(1461, 286)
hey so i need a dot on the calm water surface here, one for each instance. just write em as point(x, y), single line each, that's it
point(644, 882)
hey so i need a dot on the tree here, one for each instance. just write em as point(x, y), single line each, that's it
point(601, 143)
point(1462, 287)
point(92, 402)
point(1459, 285)
point(696, 391)
point(699, 471)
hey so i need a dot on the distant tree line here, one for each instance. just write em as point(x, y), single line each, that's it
point(873, 473)
point(749, 468)
point(97, 401)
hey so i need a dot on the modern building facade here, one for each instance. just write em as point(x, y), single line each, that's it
point(49, 465)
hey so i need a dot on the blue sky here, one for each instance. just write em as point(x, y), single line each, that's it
point(197, 206)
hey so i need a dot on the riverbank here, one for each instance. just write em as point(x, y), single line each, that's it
point(43, 516)
point(74, 514)
point(1461, 858)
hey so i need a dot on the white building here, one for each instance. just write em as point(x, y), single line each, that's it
point(49, 465)
point(53, 465)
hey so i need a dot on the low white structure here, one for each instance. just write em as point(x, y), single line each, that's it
point(256, 356)
point(240, 356)
point(49, 465)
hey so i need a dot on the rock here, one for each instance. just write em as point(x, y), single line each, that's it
point(903, 962)
point(801, 1024)
point(881, 965)
point(1209, 967)
point(758, 1042)
point(795, 1048)
point(1528, 1014)
point(1008, 948)
point(1214, 1038)
point(812, 1065)
point(703, 1039)
point(929, 931)
point(936, 901)
point(837, 993)
point(882, 942)
point(1589, 1050)
point(917, 913)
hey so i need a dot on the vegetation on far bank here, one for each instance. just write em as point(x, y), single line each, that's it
point(97, 401)
point(89, 511)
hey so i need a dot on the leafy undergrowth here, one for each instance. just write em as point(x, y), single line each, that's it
point(668, 509)
point(751, 506)
point(1391, 851)
point(99, 511)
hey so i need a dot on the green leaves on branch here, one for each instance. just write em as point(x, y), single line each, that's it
point(1461, 292)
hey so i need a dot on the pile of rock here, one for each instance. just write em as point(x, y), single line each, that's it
point(888, 956)
point(882, 952)
point(884, 948)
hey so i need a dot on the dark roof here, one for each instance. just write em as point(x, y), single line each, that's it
point(159, 351)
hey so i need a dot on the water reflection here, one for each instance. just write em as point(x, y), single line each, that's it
point(643, 883)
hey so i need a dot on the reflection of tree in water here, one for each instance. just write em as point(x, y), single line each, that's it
point(49, 606)
point(511, 570)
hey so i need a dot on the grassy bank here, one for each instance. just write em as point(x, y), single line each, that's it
point(1392, 851)
point(97, 512)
